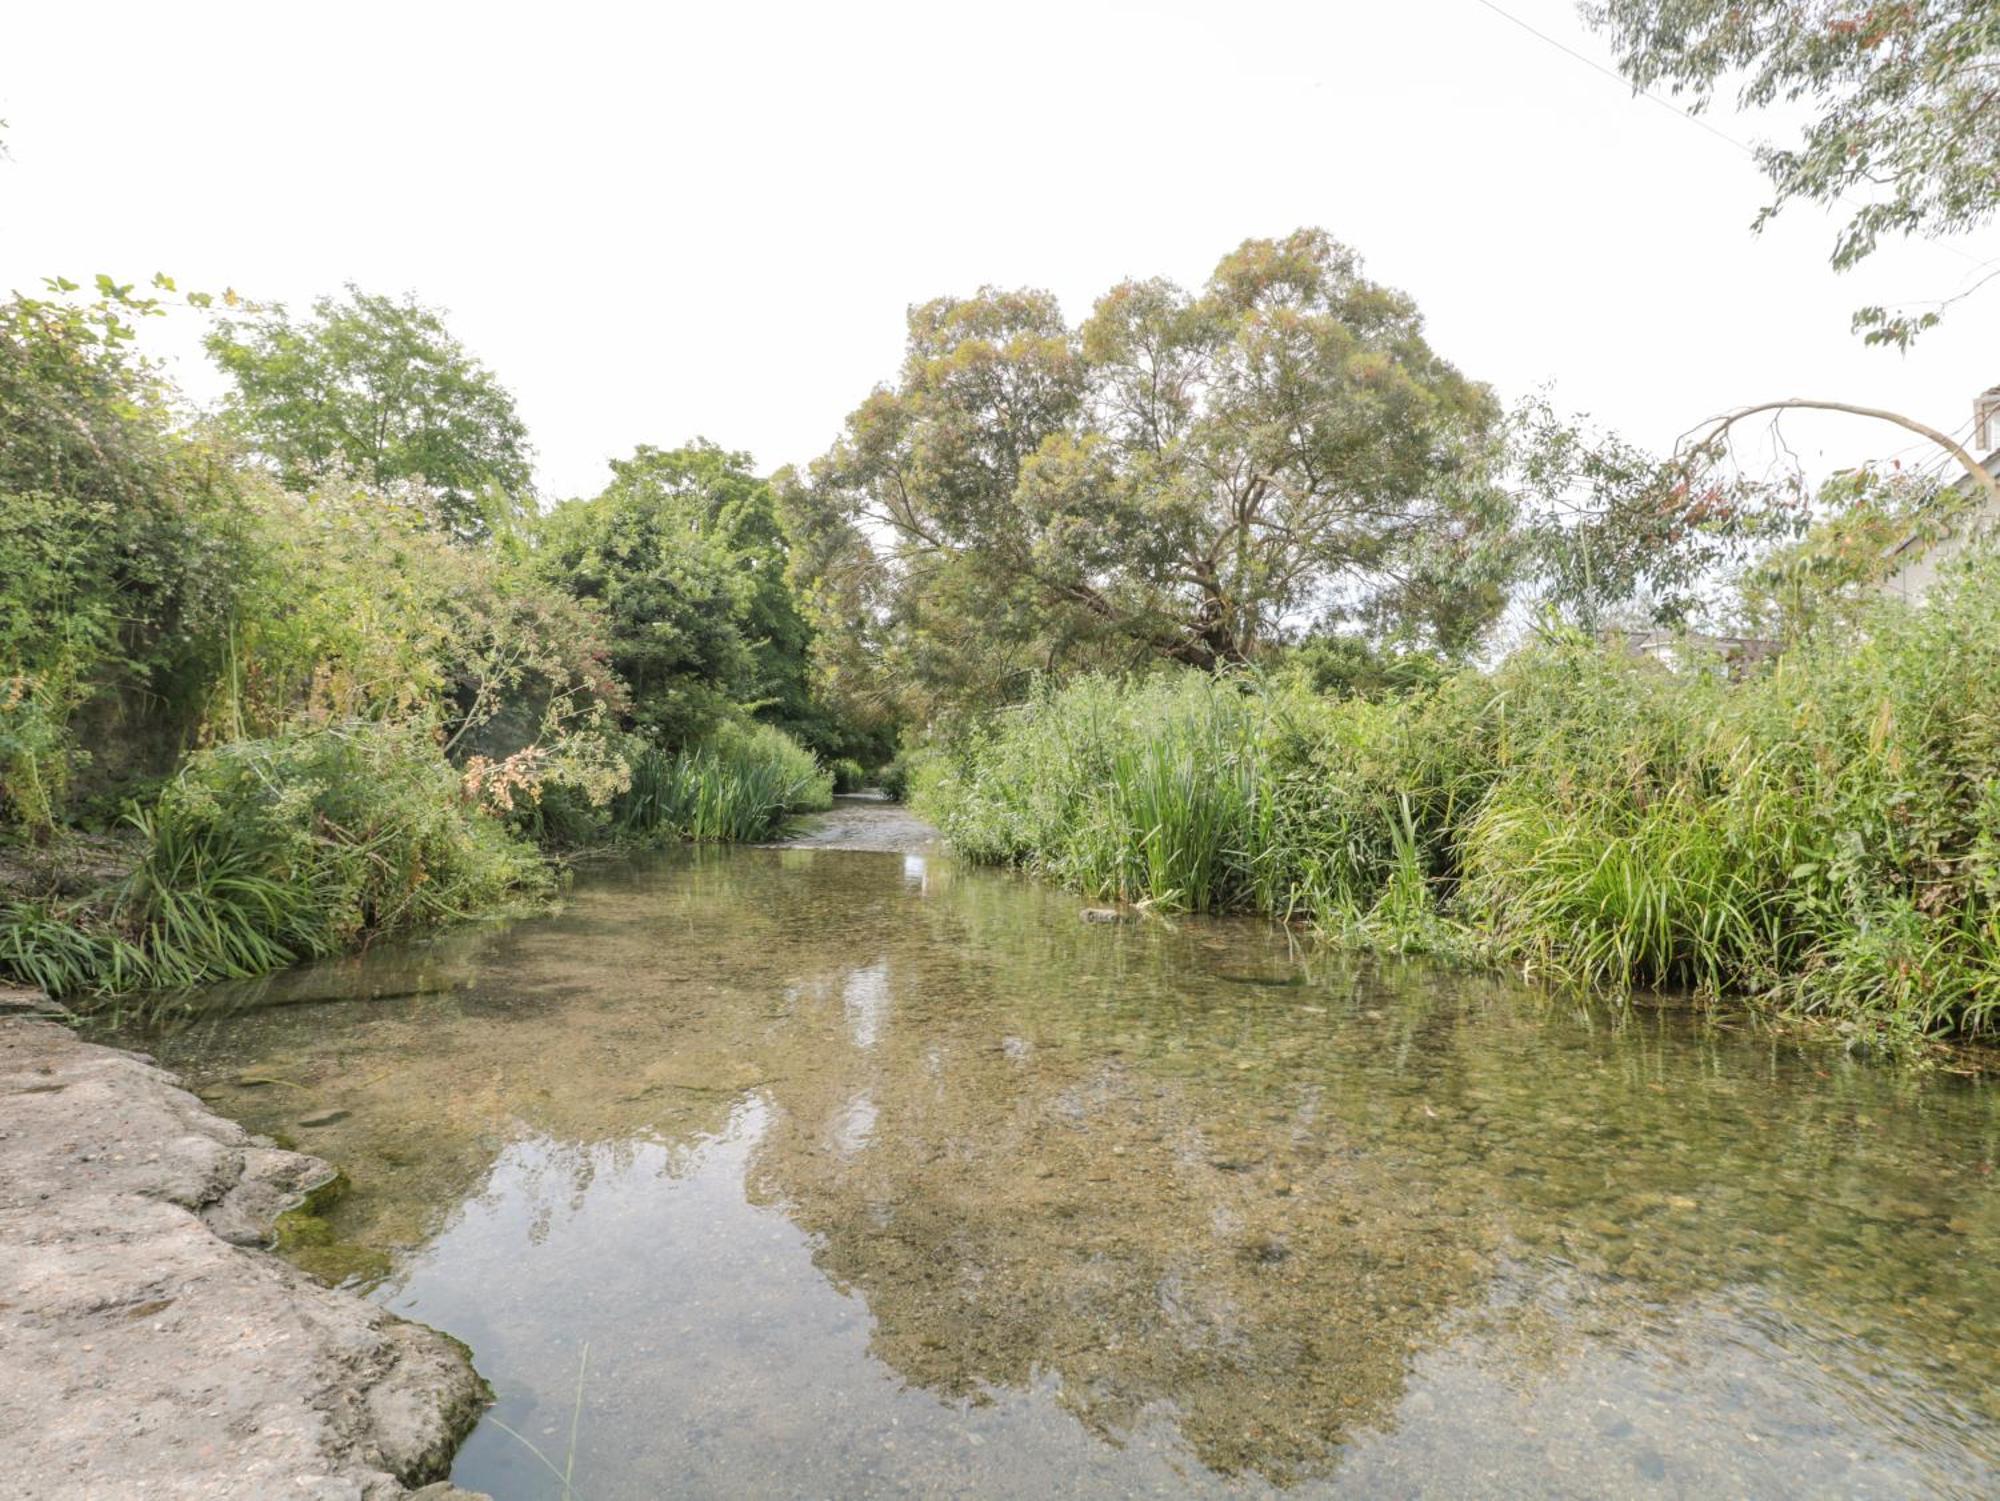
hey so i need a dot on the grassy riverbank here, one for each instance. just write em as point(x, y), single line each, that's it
point(319, 667)
point(265, 853)
point(1823, 836)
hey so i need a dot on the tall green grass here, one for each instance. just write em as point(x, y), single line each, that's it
point(740, 785)
point(1149, 793)
point(263, 853)
point(1203, 794)
point(1824, 836)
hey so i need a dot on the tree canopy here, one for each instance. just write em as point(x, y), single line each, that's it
point(1187, 475)
point(683, 552)
point(1903, 101)
point(380, 389)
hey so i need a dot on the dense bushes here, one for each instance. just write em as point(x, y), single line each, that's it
point(738, 785)
point(265, 852)
point(683, 557)
point(1825, 835)
point(119, 539)
point(342, 683)
point(894, 779)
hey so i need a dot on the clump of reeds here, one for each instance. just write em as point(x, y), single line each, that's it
point(1824, 834)
point(740, 785)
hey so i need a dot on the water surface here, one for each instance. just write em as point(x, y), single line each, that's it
point(818, 1173)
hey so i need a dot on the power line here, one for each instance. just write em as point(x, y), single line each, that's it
point(1618, 78)
point(1667, 104)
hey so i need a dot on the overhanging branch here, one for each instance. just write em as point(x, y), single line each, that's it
point(1972, 466)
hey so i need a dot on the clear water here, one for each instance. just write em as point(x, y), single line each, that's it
point(814, 1173)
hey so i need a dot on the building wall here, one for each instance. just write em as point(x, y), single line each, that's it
point(1922, 563)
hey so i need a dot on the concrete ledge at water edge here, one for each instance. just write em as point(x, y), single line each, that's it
point(148, 1346)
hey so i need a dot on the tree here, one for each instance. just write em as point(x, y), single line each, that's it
point(844, 592)
point(118, 542)
point(1718, 429)
point(379, 389)
point(1608, 531)
point(1833, 574)
point(684, 552)
point(1904, 129)
point(1186, 476)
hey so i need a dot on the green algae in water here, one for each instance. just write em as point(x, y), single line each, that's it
point(306, 1236)
point(863, 1175)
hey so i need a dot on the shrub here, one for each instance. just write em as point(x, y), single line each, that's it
point(848, 775)
point(895, 778)
point(266, 852)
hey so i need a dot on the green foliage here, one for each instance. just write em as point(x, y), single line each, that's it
point(1345, 666)
point(1144, 793)
point(1825, 835)
point(380, 390)
point(262, 853)
point(369, 817)
point(51, 949)
point(1175, 479)
point(739, 785)
point(843, 590)
point(896, 778)
point(1829, 577)
point(354, 605)
point(848, 774)
point(384, 679)
point(684, 555)
point(1669, 895)
point(1216, 794)
point(58, 624)
point(1901, 105)
point(118, 548)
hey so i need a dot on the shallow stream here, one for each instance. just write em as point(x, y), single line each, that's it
point(809, 1172)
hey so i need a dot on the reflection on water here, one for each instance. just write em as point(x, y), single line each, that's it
point(867, 1176)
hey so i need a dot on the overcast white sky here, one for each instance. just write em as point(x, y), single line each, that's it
point(669, 220)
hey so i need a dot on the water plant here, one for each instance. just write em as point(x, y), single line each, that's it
point(566, 1472)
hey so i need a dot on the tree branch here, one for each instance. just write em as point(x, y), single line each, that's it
point(1721, 425)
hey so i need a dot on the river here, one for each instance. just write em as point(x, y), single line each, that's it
point(817, 1172)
